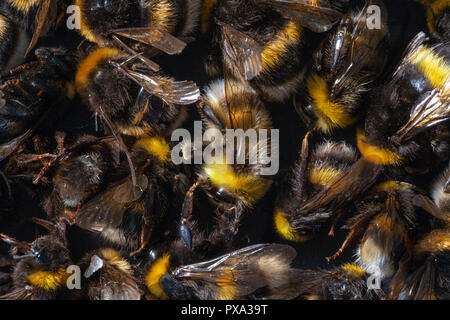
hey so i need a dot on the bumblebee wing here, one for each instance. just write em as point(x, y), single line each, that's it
point(152, 36)
point(170, 91)
point(9, 147)
point(118, 290)
point(363, 41)
point(347, 187)
point(242, 271)
point(429, 206)
point(313, 14)
point(18, 294)
point(42, 21)
point(107, 209)
point(241, 52)
point(432, 108)
point(420, 285)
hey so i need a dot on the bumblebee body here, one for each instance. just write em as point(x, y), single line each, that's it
point(100, 19)
point(125, 215)
point(429, 277)
point(254, 272)
point(40, 274)
point(347, 282)
point(270, 46)
point(312, 174)
point(347, 62)
point(234, 187)
point(29, 94)
point(114, 94)
point(390, 136)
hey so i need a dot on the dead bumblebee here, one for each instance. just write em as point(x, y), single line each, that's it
point(93, 188)
point(108, 276)
point(40, 272)
point(14, 41)
point(260, 271)
point(30, 94)
point(140, 24)
point(346, 63)
point(264, 42)
point(129, 97)
point(234, 185)
point(347, 282)
point(429, 277)
point(312, 174)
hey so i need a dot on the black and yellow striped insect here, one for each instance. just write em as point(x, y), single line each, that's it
point(264, 42)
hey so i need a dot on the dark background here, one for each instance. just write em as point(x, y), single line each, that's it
point(406, 18)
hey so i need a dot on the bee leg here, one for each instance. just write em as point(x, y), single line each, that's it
point(333, 226)
point(186, 213)
point(351, 235)
point(145, 236)
point(304, 154)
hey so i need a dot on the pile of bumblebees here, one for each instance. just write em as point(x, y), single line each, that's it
point(370, 101)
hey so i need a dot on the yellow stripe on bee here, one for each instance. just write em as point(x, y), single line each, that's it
point(375, 154)
point(23, 5)
point(206, 13)
point(48, 280)
point(88, 65)
point(354, 269)
point(227, 286)
point(153, 278)
point(436, 241)
point(85, 30)
point(391, 185)
point(274, 50)
point(432, 66)
point(249, 187)
point(284, 228)
point(324, 176)
point(156, 146)
point(330, 114)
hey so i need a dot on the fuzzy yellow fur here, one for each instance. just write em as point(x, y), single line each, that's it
point(156, 146)
point(88, 65)
point(354, 269)
point(329, 113)
point(23, 5)
point(85, 30)
point(48, 280)
point(158, 269)
point(436, 241)
point(274, 50)
point(375, 154)
point(284, 229)
point(324, 176)
point(227, 286)
point(432, 66)
point(391, 185)
point(247, 187)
